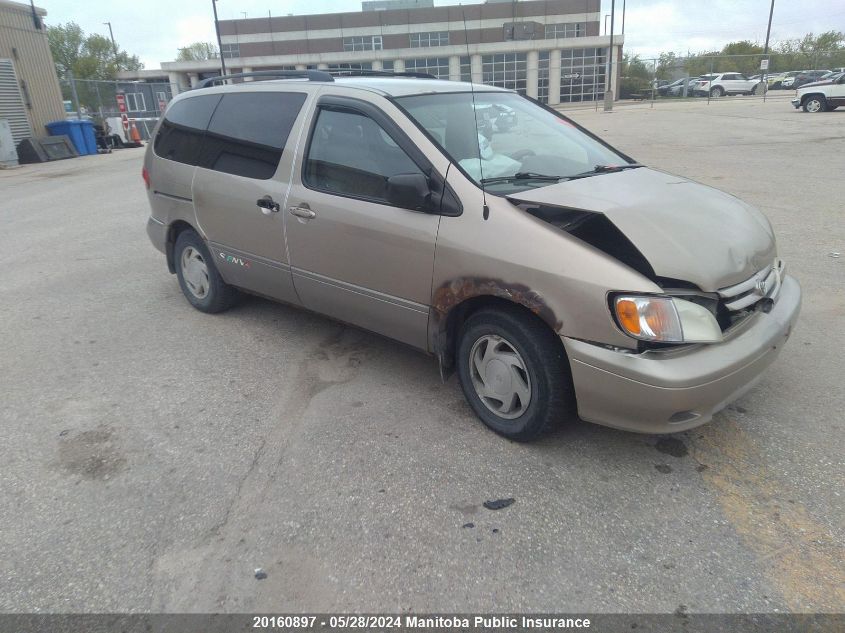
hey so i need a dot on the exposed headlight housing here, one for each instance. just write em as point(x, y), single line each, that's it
point(665, 319)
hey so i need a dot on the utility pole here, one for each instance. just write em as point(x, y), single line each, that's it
point(765, 76)
point(219, 42)
point(624, 2)
point(111, 35)
point(608, 89)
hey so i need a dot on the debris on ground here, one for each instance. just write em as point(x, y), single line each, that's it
point(260, 574)
point(835, 254)
point(468, 525)
point(498, 504)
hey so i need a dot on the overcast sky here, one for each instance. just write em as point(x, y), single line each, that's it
point(155, 29)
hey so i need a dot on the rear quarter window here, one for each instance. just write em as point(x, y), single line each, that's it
point(181, 132)
point(248, 132)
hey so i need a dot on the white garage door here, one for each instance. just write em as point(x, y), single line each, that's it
point(12, 107)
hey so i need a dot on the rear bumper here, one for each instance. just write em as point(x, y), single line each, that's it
point(157, 231)
point(666, 391)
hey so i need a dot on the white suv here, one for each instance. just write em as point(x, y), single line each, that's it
point(821, 96)
point(721, 84)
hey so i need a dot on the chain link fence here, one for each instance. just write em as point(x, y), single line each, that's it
point(99, 101)
point(715, 78)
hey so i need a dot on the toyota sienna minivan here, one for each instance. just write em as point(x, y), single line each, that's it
point(554, 274)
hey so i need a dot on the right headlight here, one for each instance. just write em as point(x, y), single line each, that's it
point(665, 319)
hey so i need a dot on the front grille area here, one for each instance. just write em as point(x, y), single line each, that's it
point(738, 301)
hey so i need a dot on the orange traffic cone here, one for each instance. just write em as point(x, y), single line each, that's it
point(134, 134)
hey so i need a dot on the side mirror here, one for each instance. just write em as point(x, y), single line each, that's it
point(409, 191)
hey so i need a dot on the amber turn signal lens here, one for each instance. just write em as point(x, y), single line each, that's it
point(629, 318)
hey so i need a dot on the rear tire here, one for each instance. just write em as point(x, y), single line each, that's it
point(514, 373)
point(815, 103)
point(717, 92)
point(201, 284)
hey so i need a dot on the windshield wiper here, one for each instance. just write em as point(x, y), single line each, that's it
point(604, 169)
point(521, 175)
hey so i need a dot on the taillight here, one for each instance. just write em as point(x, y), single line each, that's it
point(146, 176)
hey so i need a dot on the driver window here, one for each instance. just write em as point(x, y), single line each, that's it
point(350, 154)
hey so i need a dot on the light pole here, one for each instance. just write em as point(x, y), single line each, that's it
point(765, 76)
point(111, 35)
point(608, 90)
point(219, 42)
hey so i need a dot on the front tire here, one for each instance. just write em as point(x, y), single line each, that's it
point(815, 104)
point(201, 284)
point(514, 373)
point(717, 92)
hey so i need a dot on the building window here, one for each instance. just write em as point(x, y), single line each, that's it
point(466, 69)
point(387, 65)
point(352, 66)
point(135, 102)
point(582, 74)
point(230, 50)
point(362, 43)
point(437, 66)
point(505, 70)
point(425, 40)
point(543, 77)
point(568, 29)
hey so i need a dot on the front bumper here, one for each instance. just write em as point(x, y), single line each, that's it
point(796, 103)
point(670, 390)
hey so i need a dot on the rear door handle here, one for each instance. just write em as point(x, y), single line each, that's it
point(267, 205)
point(302, 212)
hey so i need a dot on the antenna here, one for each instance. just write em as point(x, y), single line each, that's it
point(486, 209)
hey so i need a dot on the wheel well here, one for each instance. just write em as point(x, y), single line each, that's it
point(173, 232)
point(812, 94)
point(447, 335)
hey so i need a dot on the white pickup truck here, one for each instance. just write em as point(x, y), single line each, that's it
point(821, 96)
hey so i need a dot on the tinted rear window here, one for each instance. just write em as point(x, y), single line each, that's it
point(248, 132)
point(180, 135)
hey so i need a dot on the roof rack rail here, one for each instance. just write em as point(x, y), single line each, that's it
point(310, 75)
point(354, 72)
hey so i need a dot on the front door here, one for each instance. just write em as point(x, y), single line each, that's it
point(240, 185)
point(837, 92)
point(354, 255)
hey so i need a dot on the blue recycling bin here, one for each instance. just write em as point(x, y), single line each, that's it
point(81, 134)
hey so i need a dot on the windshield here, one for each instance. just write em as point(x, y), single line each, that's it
point(507, 136)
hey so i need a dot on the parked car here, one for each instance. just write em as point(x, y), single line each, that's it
point(672, 89)
point(807, 77)
point(821, 96)
point(789, 82)
point(551, 271)
point(721, 84)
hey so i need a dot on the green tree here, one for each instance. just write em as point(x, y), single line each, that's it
point(635, 75)
point(87, 57)
point(197, 52)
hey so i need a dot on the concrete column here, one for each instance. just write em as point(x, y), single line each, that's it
point(399, 66)
point(475, 67)
point(247, 69)
point(532, 61)
point(322, 66)
point(455, 68)
point(377, 65)
point(178, 82)
point(554, 77)
point(193, 78)
point(301, 67)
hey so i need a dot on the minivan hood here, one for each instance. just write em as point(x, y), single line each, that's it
point(685, 230)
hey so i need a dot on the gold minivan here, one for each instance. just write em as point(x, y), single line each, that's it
point(556, 275)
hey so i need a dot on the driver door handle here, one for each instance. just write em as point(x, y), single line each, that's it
point(302, 212)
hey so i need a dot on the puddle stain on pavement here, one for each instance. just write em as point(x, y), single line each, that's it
point(806, 563)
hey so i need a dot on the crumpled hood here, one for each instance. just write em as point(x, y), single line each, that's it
point(685, 230)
